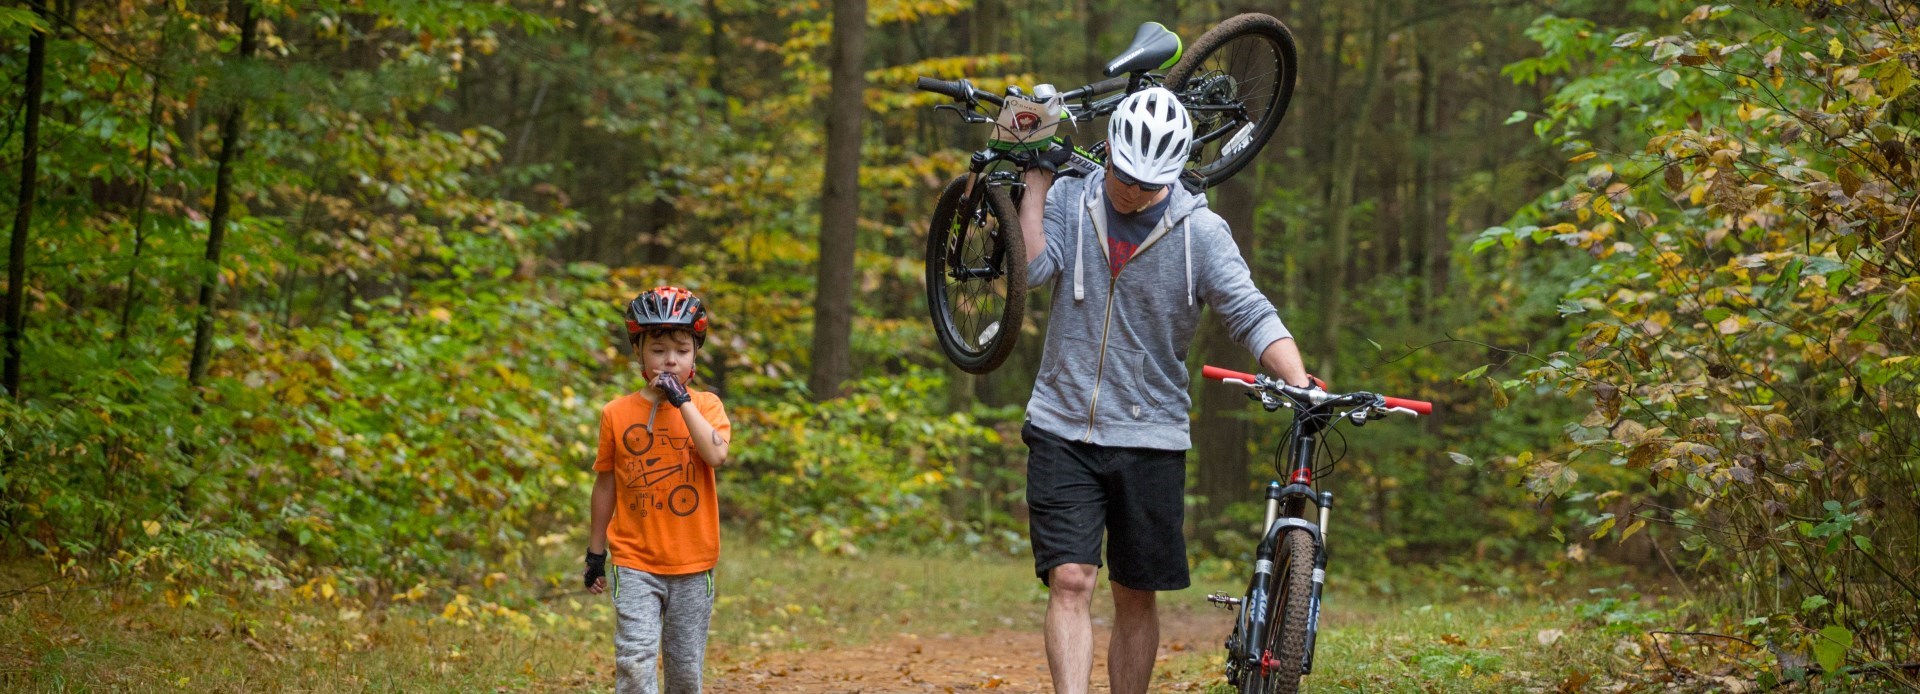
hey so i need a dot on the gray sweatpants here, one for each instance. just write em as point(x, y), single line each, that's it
point(664, 615)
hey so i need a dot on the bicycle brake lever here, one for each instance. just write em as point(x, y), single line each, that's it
point(1271, 403)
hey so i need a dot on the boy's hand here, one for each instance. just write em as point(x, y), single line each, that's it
point(675, 391)
point(596, 575)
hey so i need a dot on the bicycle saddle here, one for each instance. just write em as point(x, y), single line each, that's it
point(1153, 48)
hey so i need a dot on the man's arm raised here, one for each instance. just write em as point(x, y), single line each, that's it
point(1033, 211)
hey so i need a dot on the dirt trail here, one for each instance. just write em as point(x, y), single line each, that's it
point(1001, 661)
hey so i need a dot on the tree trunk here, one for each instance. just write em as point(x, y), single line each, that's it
point(1099, 14)
point(840, 201)
point(1345, 168)
point(1435, 256)
point(140, 223)
point(222, 205)
point(1219, 433)
point(23, 214)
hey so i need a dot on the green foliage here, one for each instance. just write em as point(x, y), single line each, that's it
point(1744, 329)
point(882, 466)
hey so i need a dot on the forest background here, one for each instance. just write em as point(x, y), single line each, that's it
point(325, 294)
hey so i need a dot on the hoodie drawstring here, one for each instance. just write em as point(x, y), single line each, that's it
point(1186, 232)
point(1079, 216)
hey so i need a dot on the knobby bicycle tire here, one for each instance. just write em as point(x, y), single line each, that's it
point(1270, 49)
point(1286, 621)
point(976, 318)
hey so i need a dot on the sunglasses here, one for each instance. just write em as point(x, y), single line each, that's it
point(1124, 179)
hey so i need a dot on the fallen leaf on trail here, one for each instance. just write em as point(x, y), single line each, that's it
point(993, 682)
point(1574, 682)
point(1546, 637)
point(1735, 684)
point(1452, 640)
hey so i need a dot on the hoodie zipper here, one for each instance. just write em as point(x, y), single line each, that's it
point(1100, 365)
point(1106, 324)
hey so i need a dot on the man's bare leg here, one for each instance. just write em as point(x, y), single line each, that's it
point(1135, 642)
point(1070, 626)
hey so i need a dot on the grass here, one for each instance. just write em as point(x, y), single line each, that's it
point(536, 636)
point(1500, 633)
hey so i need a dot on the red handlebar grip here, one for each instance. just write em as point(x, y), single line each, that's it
point(1219, 374)
point(1418, 406)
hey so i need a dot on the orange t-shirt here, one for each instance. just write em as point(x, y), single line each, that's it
point(665, 519)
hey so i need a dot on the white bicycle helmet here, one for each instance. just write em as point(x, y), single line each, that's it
point(1150, 136)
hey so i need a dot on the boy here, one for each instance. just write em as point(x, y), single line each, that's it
point(654, 504)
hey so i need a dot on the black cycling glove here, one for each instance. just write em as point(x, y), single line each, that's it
point(596, 568)
point(1054, 158)
point(676, 391)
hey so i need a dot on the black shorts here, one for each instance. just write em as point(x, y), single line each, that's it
point(1135, 496)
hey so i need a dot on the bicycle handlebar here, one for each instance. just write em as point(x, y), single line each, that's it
point(961, 90)
point(1096, 89)
point(1417, 407)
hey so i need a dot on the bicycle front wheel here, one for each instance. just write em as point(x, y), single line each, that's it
point(1284, 653)
point(976, 275)
point(1236, 82)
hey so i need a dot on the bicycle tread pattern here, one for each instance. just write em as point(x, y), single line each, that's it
point(1286, 632)
point(1250, 24)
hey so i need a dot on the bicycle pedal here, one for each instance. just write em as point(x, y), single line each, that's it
point(1223, 601)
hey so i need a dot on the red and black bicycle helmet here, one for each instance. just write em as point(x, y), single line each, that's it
point(667, 307)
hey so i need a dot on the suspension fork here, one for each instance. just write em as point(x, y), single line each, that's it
point(972, 201)
point(1319, 582)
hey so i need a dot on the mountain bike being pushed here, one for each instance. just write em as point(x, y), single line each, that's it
point(1271, 646)
point(1235, 82)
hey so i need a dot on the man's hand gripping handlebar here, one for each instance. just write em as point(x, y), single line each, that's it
point(1274, 394)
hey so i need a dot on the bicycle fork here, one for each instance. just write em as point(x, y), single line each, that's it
point(1319, 582)
point(1264, 568)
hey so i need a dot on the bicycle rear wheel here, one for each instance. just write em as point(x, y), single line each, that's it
point(1236, 82)
point(976, 275)
point(1285, 650)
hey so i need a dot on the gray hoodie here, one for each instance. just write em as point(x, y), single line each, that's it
point(1114, 369)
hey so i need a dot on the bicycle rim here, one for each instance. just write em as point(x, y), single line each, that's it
point(1247, 62)
point(976, 276)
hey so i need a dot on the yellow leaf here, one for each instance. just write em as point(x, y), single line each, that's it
point(451, 611)
point(441, 314)
point(1605, 526)
point(1696, 195)
point(326, 590)
point(1631, 529)
point(1835, 48)
point(1604, 207)
point(152, 527)
point(1583, 156)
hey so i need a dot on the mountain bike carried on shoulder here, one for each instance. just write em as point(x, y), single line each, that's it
point(1271, 646)
point(1236, 83)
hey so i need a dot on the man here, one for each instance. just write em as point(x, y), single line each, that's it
point(1106, 428)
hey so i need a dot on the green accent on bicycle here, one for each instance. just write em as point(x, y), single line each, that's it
point(1179, 47)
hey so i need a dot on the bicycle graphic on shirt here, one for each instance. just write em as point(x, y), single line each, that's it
point(646, 475)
